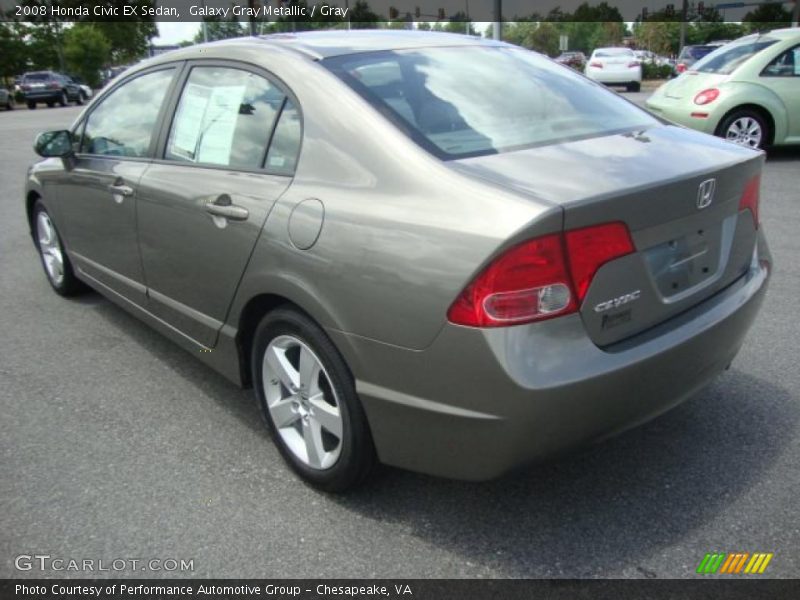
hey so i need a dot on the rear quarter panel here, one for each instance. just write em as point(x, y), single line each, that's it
point(402, 233)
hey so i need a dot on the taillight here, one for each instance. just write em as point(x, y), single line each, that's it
point(596, 65)
point(590, 248)
point(538, 279)
point(526, 283)
point(750, 197)
point(680, 67)
point(633, 64)
point(706, 96)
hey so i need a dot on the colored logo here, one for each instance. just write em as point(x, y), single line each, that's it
point(735, 563)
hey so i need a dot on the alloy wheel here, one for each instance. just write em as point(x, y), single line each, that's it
point(302, 402)
point(745, 131)
point(50, 247)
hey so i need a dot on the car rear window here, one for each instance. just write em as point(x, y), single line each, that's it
point(459, 102)
point(37, 77)
point(612, 52)
point(726, 59)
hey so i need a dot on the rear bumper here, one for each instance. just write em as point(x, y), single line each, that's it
point(680, 112)
point(620, 77)
point(482, 402)
point(42, 96)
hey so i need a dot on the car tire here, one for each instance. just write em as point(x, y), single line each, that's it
point(80, 99)
point(634, 86)
point(746, 127)
point(31, 105)
point(9, 104)
point(62, 99)
point(50, 104)
point(308, 399)
point(56, 263)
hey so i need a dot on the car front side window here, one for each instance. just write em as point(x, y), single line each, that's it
point(224, 118)
point(123, 123)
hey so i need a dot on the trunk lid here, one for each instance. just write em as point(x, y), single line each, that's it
point(650, 180)
point(690, 83)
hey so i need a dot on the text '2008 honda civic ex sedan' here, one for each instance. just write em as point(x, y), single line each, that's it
point(432, 251)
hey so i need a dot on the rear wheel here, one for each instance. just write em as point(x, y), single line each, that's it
point(31, 105)
point(62, 99)
point(54, 259)
point(50, 103)
point(745, 127)
point(634, 86)
point(308, 398)
point(9, 104)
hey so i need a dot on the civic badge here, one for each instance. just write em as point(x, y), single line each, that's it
point(705, 193)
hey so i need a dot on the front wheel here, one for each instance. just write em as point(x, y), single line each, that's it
point(80, 99)
point(308, 398)
point(54, 259)
point(62, 99)
point(746, 128)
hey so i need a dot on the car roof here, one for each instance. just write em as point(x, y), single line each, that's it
point(323, 44)
point(787, 32)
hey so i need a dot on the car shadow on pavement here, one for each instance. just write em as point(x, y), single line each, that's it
point(607, 507)
point(783, 154)
point(234, 400)
point(610, 506)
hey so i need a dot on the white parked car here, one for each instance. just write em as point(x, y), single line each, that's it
point(615, 66)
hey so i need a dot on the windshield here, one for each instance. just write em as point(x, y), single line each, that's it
point(459, 102)
point(728, 58)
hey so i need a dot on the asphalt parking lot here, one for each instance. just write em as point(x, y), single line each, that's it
point(117, 444)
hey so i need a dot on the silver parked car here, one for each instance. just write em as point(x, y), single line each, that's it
point(6, 99)
point(407, 267)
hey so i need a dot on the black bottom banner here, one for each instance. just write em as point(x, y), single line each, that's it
point(417, 589)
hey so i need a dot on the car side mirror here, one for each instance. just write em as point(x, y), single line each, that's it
point(52, 144)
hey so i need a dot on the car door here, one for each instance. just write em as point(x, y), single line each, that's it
point(203, 203)
point(97, 194)
point(782, 76)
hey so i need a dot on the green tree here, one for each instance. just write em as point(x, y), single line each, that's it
point(44, 43)
point(458, 24)
point(767, 16)
point(219, 29)
point(362, 17)
point(129, 39)
point(544, 39)
point(86, 51)
point(12, 50)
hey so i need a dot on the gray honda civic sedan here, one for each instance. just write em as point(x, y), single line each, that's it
point(432, 251)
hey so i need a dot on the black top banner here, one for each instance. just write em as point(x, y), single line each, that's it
point(360, 11)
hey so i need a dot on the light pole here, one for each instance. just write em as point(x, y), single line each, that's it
point(498, 19)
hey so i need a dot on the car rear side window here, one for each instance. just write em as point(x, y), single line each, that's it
point(224, 117)
point(726, 59)
point(285, 144)
point(459, 102)
point(123, 123)
point(786, 64)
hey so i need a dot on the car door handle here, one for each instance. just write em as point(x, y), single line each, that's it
point(121, 189)
point(223, 207)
